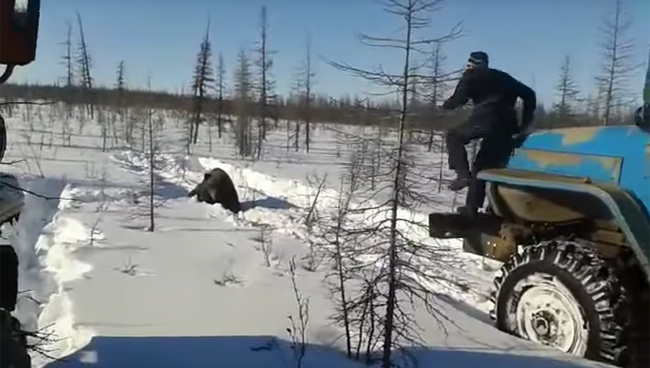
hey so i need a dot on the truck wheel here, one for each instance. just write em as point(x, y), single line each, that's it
point(561, 294)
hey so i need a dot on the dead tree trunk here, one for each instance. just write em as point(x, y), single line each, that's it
point(221, 90)
point(265, 85)
point(85, 65)
point(203, 77)
point(617, 67)
point(394, 247)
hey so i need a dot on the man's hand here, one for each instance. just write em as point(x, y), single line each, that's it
point(519, 138)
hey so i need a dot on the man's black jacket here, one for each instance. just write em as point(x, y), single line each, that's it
point(494, 94)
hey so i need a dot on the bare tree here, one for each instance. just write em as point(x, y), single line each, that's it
point(617, 51)
point(313, 216)
point(201, 82)
point(95, 233)
point(122, 107)
point(437, 87)
point(306, 79)
point(396, 283)
point(85, 64)
point(298, 329)
point(146, 201)
point(69, 69)
point(152, 165)
point(567, 91)
point(243, 102)
point(220, 86)
point(339, 246)
point(103, 123)
point(265, 86)
point(293, 133)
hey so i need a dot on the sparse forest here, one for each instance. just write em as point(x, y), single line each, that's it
point(378, 274)
point(211, 102)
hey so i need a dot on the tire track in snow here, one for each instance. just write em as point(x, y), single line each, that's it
point(288, 219)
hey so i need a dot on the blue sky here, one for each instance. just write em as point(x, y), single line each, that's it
point(526, 38)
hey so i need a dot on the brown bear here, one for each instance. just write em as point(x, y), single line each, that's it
point(217, 187)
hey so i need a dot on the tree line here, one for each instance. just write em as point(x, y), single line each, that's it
point(213, 98)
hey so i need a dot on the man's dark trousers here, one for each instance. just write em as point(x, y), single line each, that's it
point(494, 151)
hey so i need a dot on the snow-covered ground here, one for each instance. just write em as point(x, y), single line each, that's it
point(198, 291)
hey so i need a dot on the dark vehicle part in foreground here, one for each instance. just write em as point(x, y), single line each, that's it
point(19, 21)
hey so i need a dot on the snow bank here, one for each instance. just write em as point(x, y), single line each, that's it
point(45, 239)
point(300, 195)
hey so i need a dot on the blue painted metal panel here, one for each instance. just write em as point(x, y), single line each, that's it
point(603, 169)
point(627, 142)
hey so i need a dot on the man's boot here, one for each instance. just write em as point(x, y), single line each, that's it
point(461, 182)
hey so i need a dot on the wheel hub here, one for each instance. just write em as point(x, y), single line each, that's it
point(548, 313)
point(544, 323)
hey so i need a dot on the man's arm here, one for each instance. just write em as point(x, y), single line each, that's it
point(461, 94)
point(530, 104)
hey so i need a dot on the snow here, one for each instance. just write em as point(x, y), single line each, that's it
point(197, 291)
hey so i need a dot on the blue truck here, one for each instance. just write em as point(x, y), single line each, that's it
point(568, 217)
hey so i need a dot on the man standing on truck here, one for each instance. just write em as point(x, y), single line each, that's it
point(493, 94)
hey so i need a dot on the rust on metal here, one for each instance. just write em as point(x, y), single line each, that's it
point(547, 158)
point(538, 206)
point(543, 159)
point(577, 135)
point(541, 176)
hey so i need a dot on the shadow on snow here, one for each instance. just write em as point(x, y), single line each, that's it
point(271, 203)
point(263, 352)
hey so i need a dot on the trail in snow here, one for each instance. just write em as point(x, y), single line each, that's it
point(170, 313)
point(282, 204)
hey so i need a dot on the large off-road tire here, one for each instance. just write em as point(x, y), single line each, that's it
point(561, 294)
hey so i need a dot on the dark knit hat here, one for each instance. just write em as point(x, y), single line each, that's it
point(478, 58)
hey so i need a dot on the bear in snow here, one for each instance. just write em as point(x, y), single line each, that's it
point(217, 187)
